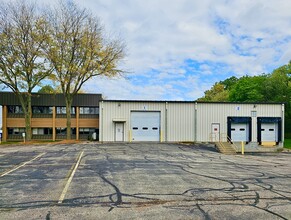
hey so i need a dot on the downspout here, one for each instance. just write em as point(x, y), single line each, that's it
point(166, 123)
point(283, 124)
point(102, 129)
point(195, 122)
point(4, 123)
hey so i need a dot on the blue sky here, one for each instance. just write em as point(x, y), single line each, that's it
point(178, 49)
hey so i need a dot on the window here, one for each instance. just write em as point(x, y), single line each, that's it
point(63, 131)
point(42, 131)
point(254, 113)
point(87, 130)
point(42, 110)
point(62, 110)
point(14, 109)
point(89, 110)
point(17, 131)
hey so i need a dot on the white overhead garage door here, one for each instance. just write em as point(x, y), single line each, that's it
point(239, 132)
point(145, 126)
point(269, 131)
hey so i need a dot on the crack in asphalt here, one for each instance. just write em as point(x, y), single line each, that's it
point(241, 189)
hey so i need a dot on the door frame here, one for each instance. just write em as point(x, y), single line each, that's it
point(115, 126)
point(212, 132)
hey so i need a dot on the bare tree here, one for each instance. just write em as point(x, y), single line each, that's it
point(78, 51)
point(23, 33)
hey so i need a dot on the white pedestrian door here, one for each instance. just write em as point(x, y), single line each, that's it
point(145, 126)
point(268, 131)
point(119, 133)
point(215, 135)
point(239, 132)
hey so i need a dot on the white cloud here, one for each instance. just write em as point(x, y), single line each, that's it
point(223, 38)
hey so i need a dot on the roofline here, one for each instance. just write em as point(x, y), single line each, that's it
point(57, 93)
point(250, 103)
point(52, 99)
point(202, 102)
point(154, 101)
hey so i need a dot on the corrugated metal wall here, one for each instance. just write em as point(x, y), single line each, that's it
point(120, 111)
point(183, 121)
point(208, 113)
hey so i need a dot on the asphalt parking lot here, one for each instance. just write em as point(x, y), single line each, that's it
point(142, 181)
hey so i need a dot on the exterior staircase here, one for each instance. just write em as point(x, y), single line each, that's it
point(225, 148)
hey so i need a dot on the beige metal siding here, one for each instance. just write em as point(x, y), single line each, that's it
point(208, 113)
point(114, 111)
point(180, 122)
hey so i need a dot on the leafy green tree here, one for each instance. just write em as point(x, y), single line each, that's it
point(229, 82)
point(278, 86)
point(78, 51)
point(278, 89)
point(217, 93)
point(48, 89)
point(23, 34)
point(273, 87)
point(248, 89)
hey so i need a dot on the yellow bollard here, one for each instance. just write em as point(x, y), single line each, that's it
point(242, 148)
point(129, 136)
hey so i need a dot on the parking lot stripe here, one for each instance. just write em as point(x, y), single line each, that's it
point(70, 179)
point(21, 165)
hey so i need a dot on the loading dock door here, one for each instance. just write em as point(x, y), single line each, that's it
point(145, 126)
point(269, 131)
point(239, 128)
point(239, 132)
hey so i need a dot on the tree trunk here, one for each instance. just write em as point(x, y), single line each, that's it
point(68, 112)
point(25, 101)
point(27, 112)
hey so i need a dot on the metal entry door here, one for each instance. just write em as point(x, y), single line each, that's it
point(119, 132)
point(215, 134)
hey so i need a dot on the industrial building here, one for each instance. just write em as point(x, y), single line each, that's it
point(259, 125)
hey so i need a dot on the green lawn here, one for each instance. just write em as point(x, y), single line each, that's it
point(287, 143)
